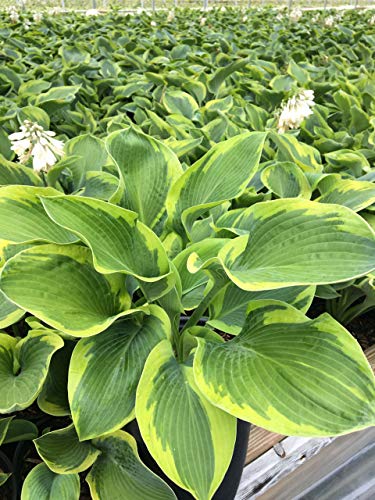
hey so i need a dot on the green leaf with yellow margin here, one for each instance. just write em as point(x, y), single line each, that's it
point(351, 193)
point(20, 430)
point(23, 367)
point(289, 374)
point(4, 476)
point(182, 103)
point(294, 242)
point(9, 312)
point(23, 218)
point(91, 156)
point(220, 175)
point(4, 426)
point(59, 285)
point(290, 149)
point(63, 453)
point(194, 285)
point(100, 185)
point(15, 173)
point(147, 170)
point(43, 484)
point(105, 370)
point(118, 472)
point(53, 398)
point(191, 440)
point(286, 180)
point(227, 311)
point(119, 242)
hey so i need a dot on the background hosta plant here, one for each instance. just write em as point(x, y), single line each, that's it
point(103, 287)
point(175, 214)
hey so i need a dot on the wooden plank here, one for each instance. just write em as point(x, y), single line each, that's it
point(343, 469)
point(270, 467)
point(260, 441)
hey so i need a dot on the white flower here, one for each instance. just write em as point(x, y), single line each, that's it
point(92, 12)
point(244, 19)
point(33, 141)
point(139, 11)
point(329, 21)
point(170, 16)
point(37, 17)
point(27, 24)
point(203, 21)
point(55, 10)
point(372, 20)
point(153, 24)
point(279, 16)
point(296, 110)
point(223, 9)
point(315, 19)
point(13, 14)
point(295, 15)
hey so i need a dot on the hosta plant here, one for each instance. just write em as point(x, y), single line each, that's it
point(93, 290)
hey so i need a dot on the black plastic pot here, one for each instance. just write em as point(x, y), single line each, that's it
point(228, 487)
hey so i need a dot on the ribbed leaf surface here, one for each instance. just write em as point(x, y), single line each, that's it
point(119, 242)
point(297, 242)
point(289, 374)
point(105, 370)
point(147, 170)
point(43, 484)
point(59, 285)
point(23, 218)
point(191, 440)
point(62, 451)
point(220, 175)
point(119, 473)
point(23, 367)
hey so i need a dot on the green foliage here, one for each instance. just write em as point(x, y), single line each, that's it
point(177, 201)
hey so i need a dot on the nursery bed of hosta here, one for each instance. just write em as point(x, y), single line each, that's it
point(189, 248)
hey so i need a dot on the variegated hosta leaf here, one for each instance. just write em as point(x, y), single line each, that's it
point(53, 398)
point(59, 285)
point(295, 242)
point(19, 430)
point(9, 312)
point(15, 173)
point(105, 370)
point(290, 149)
point(23, 367)
point(62, 451)
point(286, 180)
point(100, 185)
point(221, 174)
point(289, 374)
point(228, 309)
point(90, 154)
point(147, 170)
point(90, 149)
point(4, 426)
point(180, 102)
point(4, 476)
point(351, 193)
point(23, 218)
point(191, 440)
point(119, 242)
point(194, 285)
point(118, 472)
point(43, 484)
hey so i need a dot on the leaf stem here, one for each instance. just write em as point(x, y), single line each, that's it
point(197, 314)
